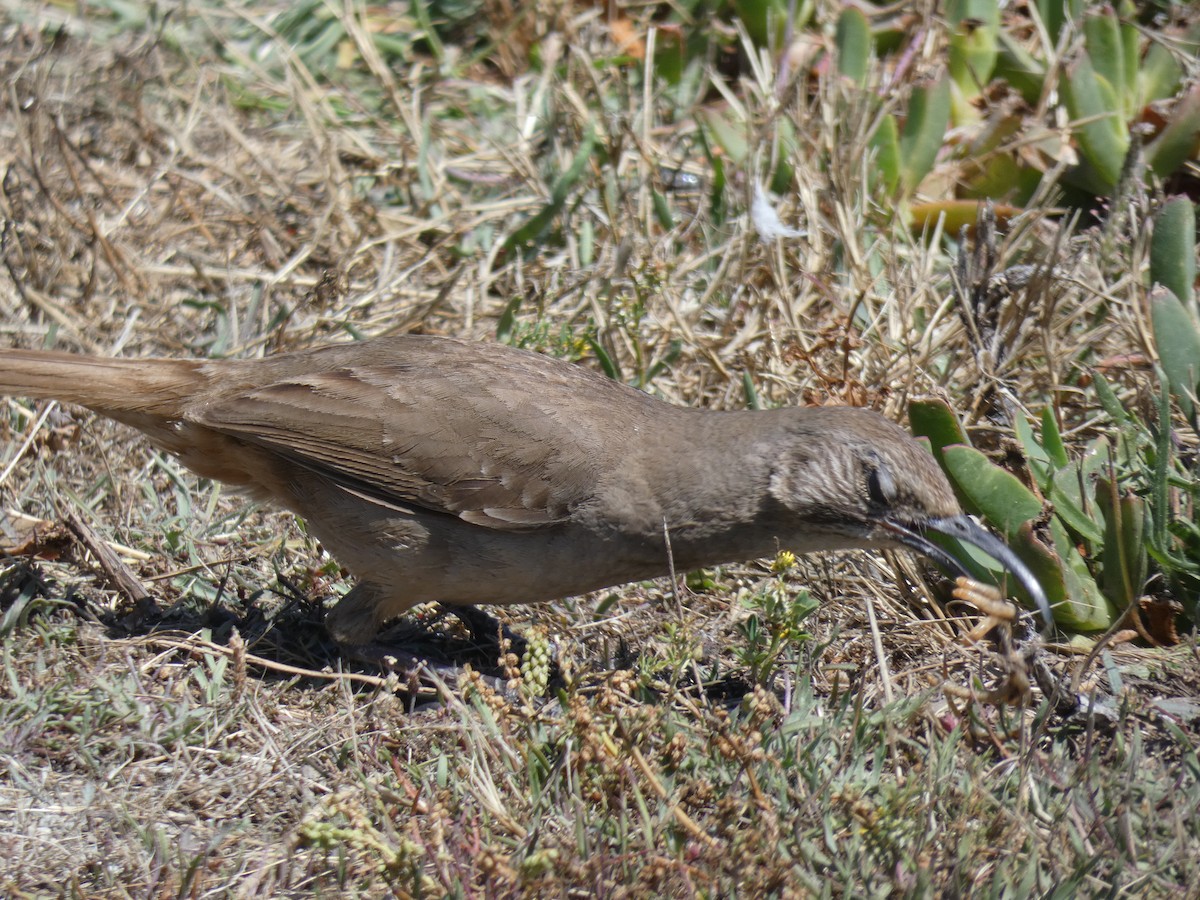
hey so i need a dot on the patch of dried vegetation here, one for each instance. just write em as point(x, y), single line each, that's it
point(183, 201)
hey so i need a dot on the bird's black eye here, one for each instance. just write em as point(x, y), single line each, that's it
point(881, 487)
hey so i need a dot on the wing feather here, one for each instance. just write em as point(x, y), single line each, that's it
point(467, 442)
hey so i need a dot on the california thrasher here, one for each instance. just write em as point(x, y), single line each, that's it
point(466, 473)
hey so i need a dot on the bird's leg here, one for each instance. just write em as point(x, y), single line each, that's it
point(355, 620)
point(354, 623)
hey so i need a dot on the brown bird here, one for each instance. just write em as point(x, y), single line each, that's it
point(467, 473)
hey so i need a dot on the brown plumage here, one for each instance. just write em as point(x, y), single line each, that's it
point(438, 469)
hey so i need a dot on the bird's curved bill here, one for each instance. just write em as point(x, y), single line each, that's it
point(967, 530)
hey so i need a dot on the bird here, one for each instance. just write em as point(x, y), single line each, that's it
point(468, 473)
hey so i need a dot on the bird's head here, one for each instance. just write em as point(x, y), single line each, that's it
point(861, 479)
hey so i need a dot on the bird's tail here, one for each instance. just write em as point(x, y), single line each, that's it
point(108, 386)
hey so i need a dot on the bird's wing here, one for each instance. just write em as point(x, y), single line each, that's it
point(493, 449)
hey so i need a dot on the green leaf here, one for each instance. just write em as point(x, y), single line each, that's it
point(663, 364)
point(1106, 49)
point(1124, 560)
point(999, 496)
point(934, 419)
point(537, 225)
point(1178, 346)
point(764, 20)
point(1065, 495)
point(954, 215)
point(1160, 510)
point(885, 143)
point(605, 359)
point(587, 242)
point(994, 175)
point(717, 205)
point(1045, 565)
point(1052, 440)
point(1109, 401)
point(1084, 608)
point(1131, 55)
point(974, 25)
point(853, 42)
point(1019, 68)
point(1036, 457)
point(1057, 13)
point(786, 148)
point(1173, 249)
point(662, 211)
point(508, 319)
point(751, 392)
point(428, 31)
point(1159, 75)
point(1092, 104)
point(726, 133)
point(1179, 139)
point(670, 57)
point(924, 132)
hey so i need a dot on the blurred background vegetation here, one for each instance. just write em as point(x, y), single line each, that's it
point(976, 217)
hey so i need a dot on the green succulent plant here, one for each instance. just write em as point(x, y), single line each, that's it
point(1096, 526)
point(1091, 66)
point(1113, 81)
point(1030, 522)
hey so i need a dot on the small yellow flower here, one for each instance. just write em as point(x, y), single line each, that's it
point(783, 561)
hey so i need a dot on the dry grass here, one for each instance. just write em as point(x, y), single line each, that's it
point(200, 187)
